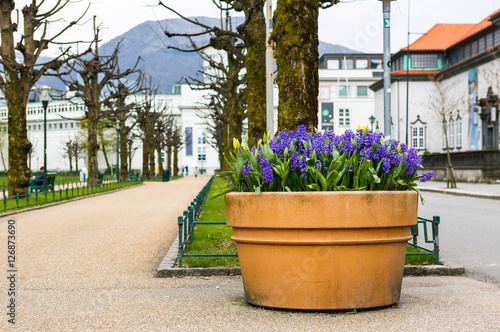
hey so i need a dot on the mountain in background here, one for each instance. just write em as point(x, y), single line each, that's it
point(167, 66)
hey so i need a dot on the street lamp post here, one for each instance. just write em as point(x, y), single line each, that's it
point(45, 97)
point(117, 151)
point(372, 120)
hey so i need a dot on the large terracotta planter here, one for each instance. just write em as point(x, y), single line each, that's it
point(322, 251)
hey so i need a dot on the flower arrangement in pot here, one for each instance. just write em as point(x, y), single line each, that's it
point(321, 220)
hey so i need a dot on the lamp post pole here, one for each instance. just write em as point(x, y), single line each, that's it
point(143, 136)
point(45, 96)
point(386, 5)
point(117, 151)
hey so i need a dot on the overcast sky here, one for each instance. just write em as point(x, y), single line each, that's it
point(356, 24)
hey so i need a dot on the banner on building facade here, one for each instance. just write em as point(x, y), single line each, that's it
point(189, 141)
point(327, 116)
point(473, 94)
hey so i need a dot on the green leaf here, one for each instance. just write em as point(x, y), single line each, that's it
point(256, 189)
point(314, 186)
point(225, 173)
point(225, 191)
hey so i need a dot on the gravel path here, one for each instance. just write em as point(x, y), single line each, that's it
point(89, 265)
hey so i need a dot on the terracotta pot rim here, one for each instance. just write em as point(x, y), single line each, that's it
point(347, 192)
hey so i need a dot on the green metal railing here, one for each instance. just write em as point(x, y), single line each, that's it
point(189, 220)
point(66, 190)
point(434, 225)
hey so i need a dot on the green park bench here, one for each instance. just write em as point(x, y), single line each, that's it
point(37, 185)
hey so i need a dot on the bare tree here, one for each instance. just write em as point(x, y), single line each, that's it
point(21, 70)
point(446, 105)
point(148, 112)
point(119, 111)
point(223, 107)
point(95, 75)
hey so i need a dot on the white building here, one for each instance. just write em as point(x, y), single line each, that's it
point(345, 100)
point(465, 60)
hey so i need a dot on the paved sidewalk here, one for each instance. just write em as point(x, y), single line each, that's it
point(479, 190)
point(90, 265)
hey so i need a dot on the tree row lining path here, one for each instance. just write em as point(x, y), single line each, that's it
point(89, 265)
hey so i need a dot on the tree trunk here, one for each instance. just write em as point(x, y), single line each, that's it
point(169, 158)
point(124, 153)
point(70, 162)
point(108, 166)
point(19, 145)
point(160, 162)
point(296, 36)
point(450, 176)
point(223, 147)
point(93, 145)
point(77, 147)
point(152, 166)
point(176, 161)
point(255, 41)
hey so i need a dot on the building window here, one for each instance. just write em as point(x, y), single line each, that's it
point(39, 127)
point(71, 125)
point(29, 128)
point(77, 125)
point(489, 40)
point(202, 137)
point(458, 135)
point(361, 64)
point(50, 126)
point(424, 60)
point(376, 64)
point(362, 91)
point(202, 153)
point(344, 117)
point(467, 51)
point(348, 64)
point(481, 45)
point(451, 134)
point(66, 125)
point(496, 37)
point(473, 47)
point(343, 91)
point(418, 138)
point(333, 64)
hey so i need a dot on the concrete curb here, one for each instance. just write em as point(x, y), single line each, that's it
point(459, 193)
point(167, 268)
point(65, 201)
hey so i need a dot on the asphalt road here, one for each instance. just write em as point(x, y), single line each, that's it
point(468, 233)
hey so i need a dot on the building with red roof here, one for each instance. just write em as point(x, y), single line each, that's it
point(447, 79)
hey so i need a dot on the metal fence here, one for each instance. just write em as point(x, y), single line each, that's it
point(426, 224)
point(65, 190)
point(189, 220)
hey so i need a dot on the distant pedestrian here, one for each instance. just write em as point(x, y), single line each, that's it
point(196, 172)
point(183, 168)
point(187, 170)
